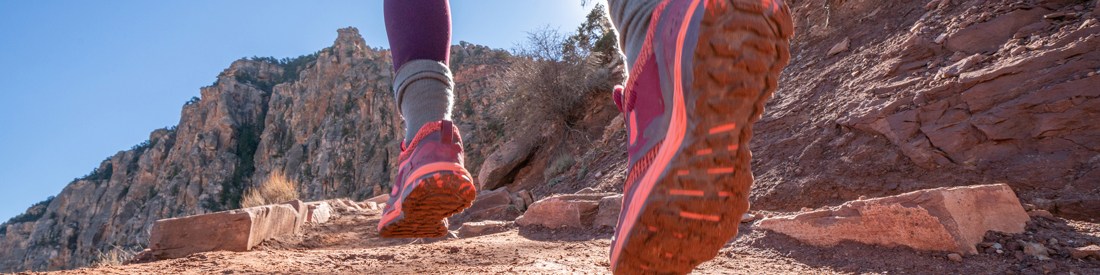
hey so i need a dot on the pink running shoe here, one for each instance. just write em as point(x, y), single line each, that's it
point(431, 185)
point(701, 80)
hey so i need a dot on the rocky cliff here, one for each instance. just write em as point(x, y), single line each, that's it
point(327, 119)
point(923, 94)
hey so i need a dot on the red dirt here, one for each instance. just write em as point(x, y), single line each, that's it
point(349, 244)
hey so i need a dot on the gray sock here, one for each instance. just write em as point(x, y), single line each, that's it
point(423, 89)
point(631, 19)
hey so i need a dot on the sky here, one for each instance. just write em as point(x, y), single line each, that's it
point(83, 80)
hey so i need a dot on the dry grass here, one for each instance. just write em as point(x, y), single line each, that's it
point(276, 189)
point(115, 257)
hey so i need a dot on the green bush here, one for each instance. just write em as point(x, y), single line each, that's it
point(33, 213)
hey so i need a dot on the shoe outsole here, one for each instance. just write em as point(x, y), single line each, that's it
point(434, 198)
point(696, 207)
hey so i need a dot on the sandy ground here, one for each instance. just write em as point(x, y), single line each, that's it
point(348, 244)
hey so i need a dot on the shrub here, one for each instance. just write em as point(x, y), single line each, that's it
point(193, 100)
point(559, 165)
point(276, 189)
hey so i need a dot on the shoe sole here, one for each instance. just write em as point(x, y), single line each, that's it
point(434, 198)
point(694, 209)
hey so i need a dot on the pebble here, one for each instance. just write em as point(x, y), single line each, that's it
point(997, 245)
point(1037, 250)
point(747, 217)
point(955, 257)
point(1092, 74)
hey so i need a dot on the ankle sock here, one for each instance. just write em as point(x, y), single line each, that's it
point(424, 92)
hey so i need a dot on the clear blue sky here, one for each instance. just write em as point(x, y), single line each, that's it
point(82, 80)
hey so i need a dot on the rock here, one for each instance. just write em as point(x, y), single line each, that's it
point(951, 219)
point(318, 212)
point(474, 229)
point(1083, 252)
point(372, 206)
point(932, 4)
point(562, 211)
point(380, 199)
point(1067, 15)
point(518, 202)
point(1037, 250)
point(488, 205)
point(955, 257)
point(957, 56)
point(1039, 213)
point(960, 66)
point(990, 35)
point(350, 204)
point(526, 196)
point(609, 210)
point(301, 213)
point(747, 217)
point(501, 163)
point(939, 39)
point(840, 47)
point(1031, 29)
point(587, 190)
point(235, 230)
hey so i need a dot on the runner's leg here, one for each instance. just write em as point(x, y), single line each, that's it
point(420, 36)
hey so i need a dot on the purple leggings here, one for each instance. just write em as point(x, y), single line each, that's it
point(418, 29)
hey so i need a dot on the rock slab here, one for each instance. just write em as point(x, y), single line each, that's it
point(235, 230)
point(474, 229)
point(947, 219)
point(319, 212)
point(1083, 252)
point(608, 214)
point(576, 210)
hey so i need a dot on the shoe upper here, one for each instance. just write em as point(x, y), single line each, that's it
point(435, 142)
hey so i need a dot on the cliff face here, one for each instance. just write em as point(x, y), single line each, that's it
point(329, 122)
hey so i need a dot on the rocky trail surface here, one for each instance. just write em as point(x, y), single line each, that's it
point(349, 244)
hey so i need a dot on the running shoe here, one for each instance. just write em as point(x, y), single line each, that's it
point(701, 80)
point(431, 185)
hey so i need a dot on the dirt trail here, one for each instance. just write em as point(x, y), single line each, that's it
point(349, 244)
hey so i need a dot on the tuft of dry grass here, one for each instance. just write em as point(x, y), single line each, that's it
point(115, 257)
point(276, 189)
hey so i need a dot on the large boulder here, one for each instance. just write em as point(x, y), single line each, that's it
point(950, 219)
point(235, 230)
point(576, 210)
point(489, 205)
point(499, 165)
